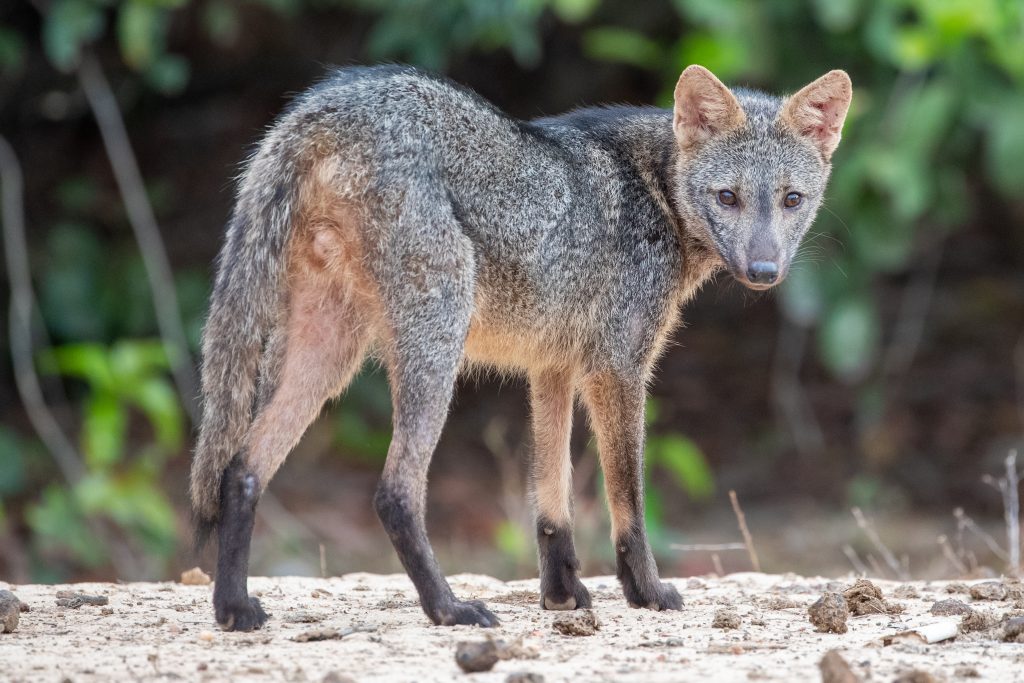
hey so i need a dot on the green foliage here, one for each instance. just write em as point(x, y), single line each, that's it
point(119, 486)
point(684, 463)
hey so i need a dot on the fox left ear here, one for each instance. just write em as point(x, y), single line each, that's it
point(818, 110)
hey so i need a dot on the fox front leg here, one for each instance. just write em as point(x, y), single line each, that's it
point(551, 399)
point(616, 405)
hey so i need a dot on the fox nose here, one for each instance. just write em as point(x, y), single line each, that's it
point(763, 272)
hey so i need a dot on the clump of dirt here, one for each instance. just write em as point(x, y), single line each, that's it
point(518, 598)
point(776, 602)
point(10, 611)
point(726, 617)
point(829, 613)
point(581, 622)
point(834, 669)
point(73, 600)
point(906, 592)
point(1013, 630)
point(949, 608)
point(989, 590)
point(958, 587)
point(966, 672)
point(916, 676)
point(335, 677)
point(864, 597)
point(318, 634)
point(476, 656)
point(524, 677)
point(195, 577)
point(977, 621)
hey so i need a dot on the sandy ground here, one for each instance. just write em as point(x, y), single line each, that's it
point(162, 631)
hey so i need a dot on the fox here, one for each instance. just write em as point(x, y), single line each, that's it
point(392, 214)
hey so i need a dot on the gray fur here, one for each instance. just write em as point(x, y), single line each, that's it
point(567, 242)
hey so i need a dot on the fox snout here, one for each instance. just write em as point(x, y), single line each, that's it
point(760, 266)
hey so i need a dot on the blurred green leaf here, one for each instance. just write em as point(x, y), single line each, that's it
point(687, 463)
point(140, 30)
point(849, 337)
point(612, 44)
point(511, 540)
point(103, 430)
point(67, 26)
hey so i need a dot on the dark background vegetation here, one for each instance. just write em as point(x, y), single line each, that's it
point(885, 373)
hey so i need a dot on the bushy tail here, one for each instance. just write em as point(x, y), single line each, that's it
point(246, 300)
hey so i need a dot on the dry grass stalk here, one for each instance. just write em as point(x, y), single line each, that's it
point(747, 538)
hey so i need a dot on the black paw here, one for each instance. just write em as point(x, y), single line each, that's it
point(573, 596)
point(244, 616)
point(468, 613)
point(658, 596)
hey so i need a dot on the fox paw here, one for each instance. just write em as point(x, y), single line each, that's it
point(243, 616)
point(659, 596)
point(468, 613)
point(573, 596)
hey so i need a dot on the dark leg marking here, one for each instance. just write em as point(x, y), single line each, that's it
point(638, 573)
point(408, 534)
point(234, 609)
point(560, 586)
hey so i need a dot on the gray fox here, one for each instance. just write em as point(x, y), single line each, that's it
point(392, 213)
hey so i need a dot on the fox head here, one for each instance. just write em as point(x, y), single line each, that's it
point(752, 168)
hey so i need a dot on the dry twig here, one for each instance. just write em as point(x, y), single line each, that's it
point(140, 215)
point(747, 538)
point(854, 558)
point(950, 554)
point(869, 530)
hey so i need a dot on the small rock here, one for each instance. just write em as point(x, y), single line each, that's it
point(524, 677)
point(206, 636)
point(10, 611)
point(834, 669)
point(829, 613)
point(476, 656)
point(949, 607)
point(966, 672)
point(906, 592)
point(779, 602)
point(335, 677)
point(958, 587)
point(303, 618)
point(1013, 630)
point(989, 590)
point(695, 584)
point(582, 622)
point(726, 617)
point(319, 634)
point(73, 600)
point(915, 676)
point(195, 577)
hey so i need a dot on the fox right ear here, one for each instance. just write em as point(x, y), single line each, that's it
point(703, 107)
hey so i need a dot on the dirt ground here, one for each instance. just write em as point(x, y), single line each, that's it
point(163, 631)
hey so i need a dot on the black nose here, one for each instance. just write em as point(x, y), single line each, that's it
point(763, 272)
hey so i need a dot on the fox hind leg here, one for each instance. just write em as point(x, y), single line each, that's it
point(551, 398)
point(428, 285)
point(321, 349)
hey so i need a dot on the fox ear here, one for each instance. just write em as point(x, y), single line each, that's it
point(703, 107)
point(819, 109)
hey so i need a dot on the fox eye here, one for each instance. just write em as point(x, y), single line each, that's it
point(792, 200)
point(727, 198)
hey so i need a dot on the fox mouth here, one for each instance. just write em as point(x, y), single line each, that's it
point(759, 275)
